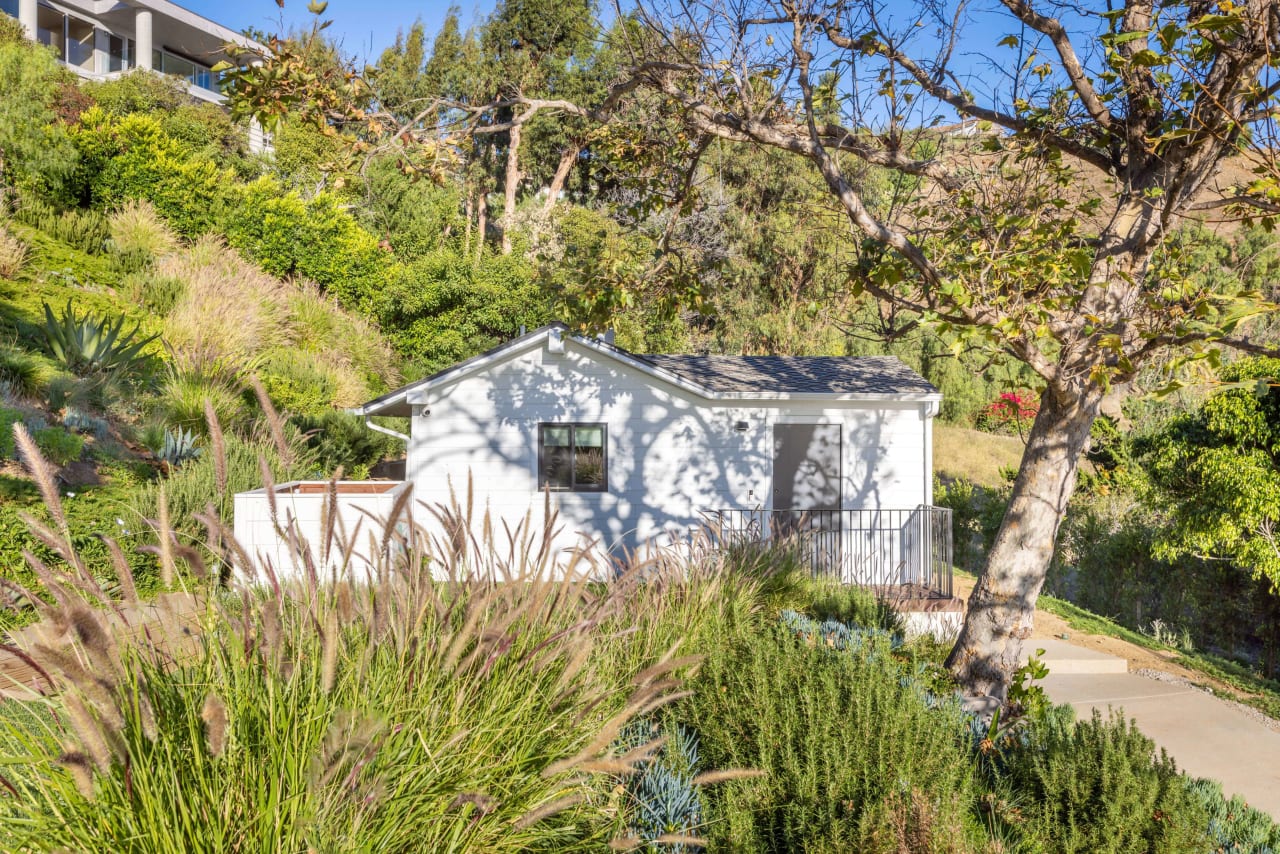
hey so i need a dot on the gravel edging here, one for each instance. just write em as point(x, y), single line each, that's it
point(1161, 676)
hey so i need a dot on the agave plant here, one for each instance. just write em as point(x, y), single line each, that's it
point(179, 446)
point(88, 344)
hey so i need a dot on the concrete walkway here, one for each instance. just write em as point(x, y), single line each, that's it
point(1206, 736)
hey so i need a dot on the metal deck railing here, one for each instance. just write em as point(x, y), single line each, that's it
point(903, 552)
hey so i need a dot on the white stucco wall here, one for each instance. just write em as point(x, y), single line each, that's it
point(360, 521)
point(672, 454)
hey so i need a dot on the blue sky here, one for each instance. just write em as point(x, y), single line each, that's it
point(364, 27)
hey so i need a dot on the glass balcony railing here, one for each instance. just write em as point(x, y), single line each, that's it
point(196, 75)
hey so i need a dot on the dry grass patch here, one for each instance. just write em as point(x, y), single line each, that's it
point(962, 452)
point(13, 255)
point(136, 229)
point(230, 312)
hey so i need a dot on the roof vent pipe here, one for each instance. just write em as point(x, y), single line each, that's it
point(555, 341)
point(607, 337)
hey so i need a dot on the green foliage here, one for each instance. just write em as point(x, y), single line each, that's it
point(297, 383)
point(85, 230)
point(313, 239)
point(58, 446)
point(853, 760)
point(191, 488)
point(851, 605)
point(26, 374)
point(37, 153)
point(375, 740)
point(204, 128)
point(445, 308)
point(416, 218)
point(338, 439)
point(132, 158)
point(8, 418)
point(1218, 472)
point(976, 513)
point(157, 293)
point(87, 344)
point(182, 401)
point(1093, 786)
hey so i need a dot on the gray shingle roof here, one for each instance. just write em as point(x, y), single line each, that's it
point(796, 374)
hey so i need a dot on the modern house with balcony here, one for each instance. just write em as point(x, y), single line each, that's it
point(101, 39)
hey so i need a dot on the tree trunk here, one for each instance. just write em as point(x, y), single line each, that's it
point(1003, 603)
point(509, 191)
point(467, 212)
point(567, 159)
point(482, 219)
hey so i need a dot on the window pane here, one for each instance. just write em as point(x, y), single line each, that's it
point(80, 43)
point(556, 452)
point(116, 60)
point(49, 30)
point(9, 7)
point(588, 461)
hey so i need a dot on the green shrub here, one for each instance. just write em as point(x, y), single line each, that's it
point(8, 446)
point(313, 239)
point(157, 293)
point(852, 605)
point(25, 373)
point(853, 757)
point(58, 446)
point(339, 439)
point(132, 158)
point(1098, 786)
point(297, 383)
point(85, 230)
point(37, 153)
point(182, 399)
point(138, 91)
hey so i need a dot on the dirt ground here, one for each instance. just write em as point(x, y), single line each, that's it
point(1140, 658)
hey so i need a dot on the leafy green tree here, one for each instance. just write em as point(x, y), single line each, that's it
point(1031, 229)
point(1217, 472)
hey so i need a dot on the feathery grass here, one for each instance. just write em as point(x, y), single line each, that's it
point(13, 255)
point(466, 695)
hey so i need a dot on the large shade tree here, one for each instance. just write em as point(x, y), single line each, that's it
point(1049, 151)
point(1047, 182)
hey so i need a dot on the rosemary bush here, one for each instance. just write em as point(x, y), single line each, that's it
point(855, 758)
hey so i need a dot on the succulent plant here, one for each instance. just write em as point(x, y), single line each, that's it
point(87, 344)
point(665, 801)
point(179, 446)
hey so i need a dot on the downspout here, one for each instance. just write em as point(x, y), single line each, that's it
point(386, 431)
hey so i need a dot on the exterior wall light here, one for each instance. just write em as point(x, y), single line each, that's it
point(741, 426)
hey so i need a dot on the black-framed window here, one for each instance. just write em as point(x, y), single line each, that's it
point(573, 457)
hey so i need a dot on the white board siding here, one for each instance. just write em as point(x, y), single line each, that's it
point(671, 455)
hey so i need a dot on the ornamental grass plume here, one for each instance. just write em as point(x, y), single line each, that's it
point(465, 694)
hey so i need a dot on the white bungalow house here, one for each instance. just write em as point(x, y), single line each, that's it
point(636, 450)
point(101, 39)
